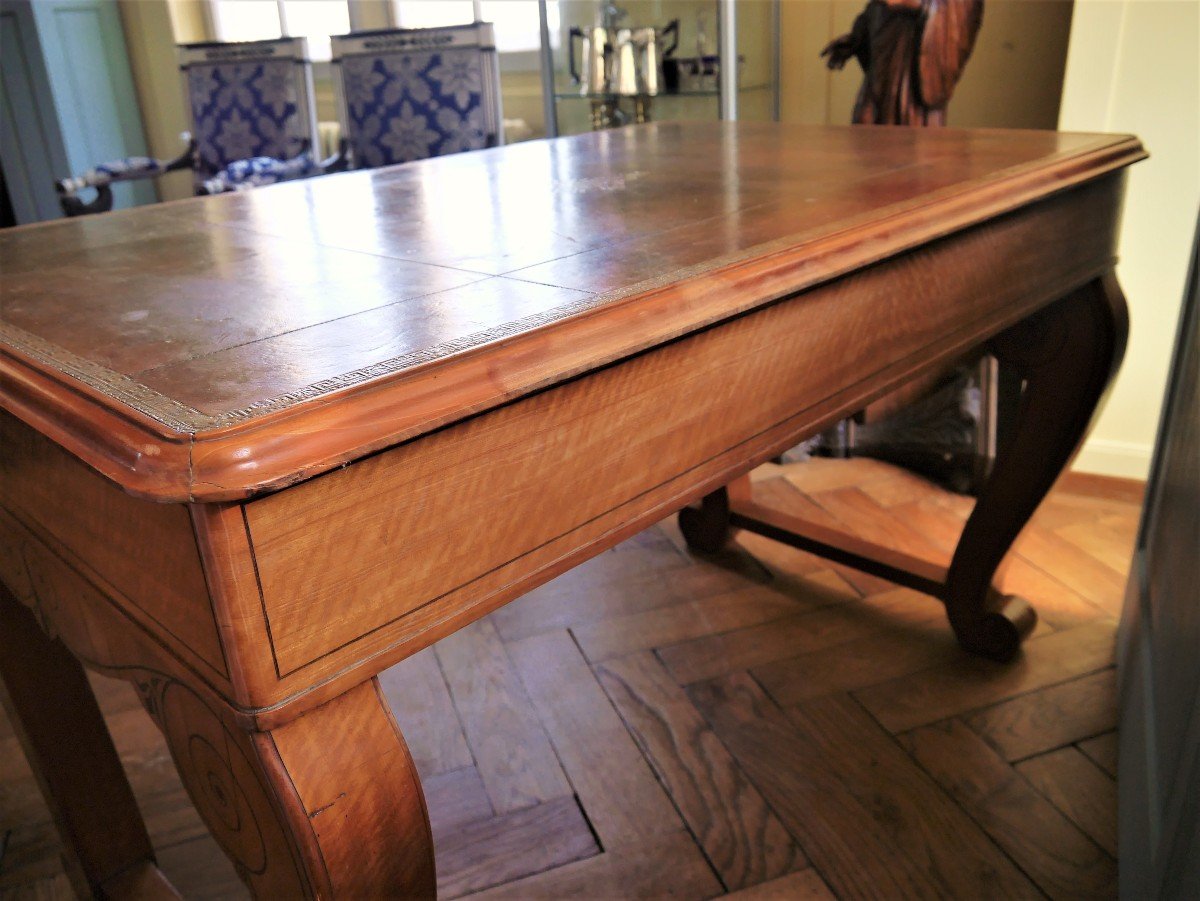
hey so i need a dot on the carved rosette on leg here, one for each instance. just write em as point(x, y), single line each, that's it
point(226, 781)
point(327, 805)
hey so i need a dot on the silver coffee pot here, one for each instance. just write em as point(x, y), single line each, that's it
point(637, 65)
point(596, 58)
point(625, 62)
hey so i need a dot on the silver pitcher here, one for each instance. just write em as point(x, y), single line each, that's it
point(595, 58)
point(638, 60)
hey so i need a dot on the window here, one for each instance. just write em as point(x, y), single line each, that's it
point(258, 20)
point(246, 20)
point(423, 14)
point(517, 27)
point(315, 20)
point(516, 21)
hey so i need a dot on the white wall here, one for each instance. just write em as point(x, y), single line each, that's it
point(1134, 66)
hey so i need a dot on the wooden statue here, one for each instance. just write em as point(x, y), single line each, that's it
point(912, 53)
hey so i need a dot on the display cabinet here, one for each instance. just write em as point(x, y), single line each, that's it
point(610, 64)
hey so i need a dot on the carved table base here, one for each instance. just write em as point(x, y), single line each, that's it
point(1066, 354)
point(326, 805)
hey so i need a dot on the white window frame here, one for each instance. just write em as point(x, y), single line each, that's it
point(217, 11)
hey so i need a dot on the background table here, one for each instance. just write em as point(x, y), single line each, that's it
point(258, 448)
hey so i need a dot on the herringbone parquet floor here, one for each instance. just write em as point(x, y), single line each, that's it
point(653, 724)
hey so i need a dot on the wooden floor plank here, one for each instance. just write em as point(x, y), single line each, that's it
point(455, 798)
point(508, 847)
point(1055, 603)
point(804, 885)
point(56, 887)
point(924, 823)
point(1124, 520)
point(31, 853)
point(826, 474)
point(114, 695)
point(894, 486)
point(420, 700)
point(966, 683)
point(577, 601)
point(1074, 506)
point(780, 559)
point(1063, 861)
point(859, 514)
point(819, 587)
point(1102, 751)
point(201, 871)
point(1050, 717)
point(856, 845)
point(622, 635)
point(1096, 581)
point(856, 664)
point(670, 866)
point(785, 495)
point(624, 801)
point(510, 750)
point(741, 837)
point(1078, 788)
point(1109, 547)
point(716, 655)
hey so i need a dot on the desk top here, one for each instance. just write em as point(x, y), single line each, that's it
point(210, 348)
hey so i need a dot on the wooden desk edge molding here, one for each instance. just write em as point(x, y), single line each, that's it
point(157, 448)
point(303, 544)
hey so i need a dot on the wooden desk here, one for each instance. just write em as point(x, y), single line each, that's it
point(257, 448)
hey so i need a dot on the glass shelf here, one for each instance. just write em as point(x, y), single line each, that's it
point(662, 95)
point(697, 26)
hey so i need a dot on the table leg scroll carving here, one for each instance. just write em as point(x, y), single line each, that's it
point(1066, 354)
point(52, 708)
point(326, 805)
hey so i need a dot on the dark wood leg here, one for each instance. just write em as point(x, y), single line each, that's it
point(706, 527)
point(55, 715)
point(1066, 354)
point(327, 805)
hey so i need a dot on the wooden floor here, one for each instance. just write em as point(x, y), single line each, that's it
point(654, 724)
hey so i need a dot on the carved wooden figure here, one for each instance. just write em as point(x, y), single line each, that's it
point(912, 53)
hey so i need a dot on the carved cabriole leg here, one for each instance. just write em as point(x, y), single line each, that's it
point(55, 715)
point(327, 805)
point(1066, 354)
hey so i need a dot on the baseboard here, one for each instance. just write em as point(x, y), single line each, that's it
point(1113, 488)
point(1119, 459)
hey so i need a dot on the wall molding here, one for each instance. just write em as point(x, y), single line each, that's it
point(1120, 459)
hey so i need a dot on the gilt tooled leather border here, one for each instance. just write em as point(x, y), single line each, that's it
point(131, 393)
point(187, 420)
